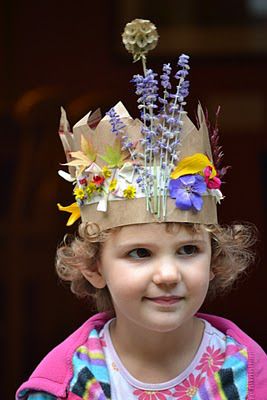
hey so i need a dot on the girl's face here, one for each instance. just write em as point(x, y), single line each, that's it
point(157, 279)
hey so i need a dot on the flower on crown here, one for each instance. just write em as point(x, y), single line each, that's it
point(194, 177)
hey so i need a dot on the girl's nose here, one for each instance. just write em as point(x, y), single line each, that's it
point(166, 272)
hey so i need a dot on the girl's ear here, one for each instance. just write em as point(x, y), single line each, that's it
point(212, 275)
point(94, 277)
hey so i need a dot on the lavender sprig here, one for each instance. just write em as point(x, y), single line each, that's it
point(147, 90)
point(174, 120)
point(166, 84)
point(117, 125)
point(161, 132)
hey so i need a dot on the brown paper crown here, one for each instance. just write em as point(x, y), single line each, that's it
point(105, 175)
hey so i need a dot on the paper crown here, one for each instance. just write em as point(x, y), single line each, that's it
point(126, 171)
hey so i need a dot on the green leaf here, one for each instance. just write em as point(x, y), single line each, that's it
point(114, 156)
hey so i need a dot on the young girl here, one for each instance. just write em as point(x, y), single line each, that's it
point(152, 254)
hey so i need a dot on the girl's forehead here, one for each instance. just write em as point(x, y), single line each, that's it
point(159, 231)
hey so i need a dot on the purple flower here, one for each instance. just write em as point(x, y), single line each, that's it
point(147, 87)
point(184, 91)
point(138, 80)
point(162, 100)
point(182, 73)
point(171, 120)
point(165, 77)
point(116, 124)
point(127, 145)
point(183, 61)
point(167, 68)
point(188, 191)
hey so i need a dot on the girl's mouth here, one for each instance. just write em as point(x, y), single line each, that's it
point(165, 300)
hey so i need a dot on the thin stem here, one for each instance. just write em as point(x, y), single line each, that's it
point(160, 159)
point(143, 58)
point(148, 200)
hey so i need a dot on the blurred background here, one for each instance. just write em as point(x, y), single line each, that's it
point(57, 53)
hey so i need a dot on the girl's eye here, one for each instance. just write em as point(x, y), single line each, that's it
point(188, 250)
point(139, 253)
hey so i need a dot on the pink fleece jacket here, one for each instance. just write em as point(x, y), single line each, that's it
point(54, 373)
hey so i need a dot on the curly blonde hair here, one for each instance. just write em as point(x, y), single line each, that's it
point(231, 248)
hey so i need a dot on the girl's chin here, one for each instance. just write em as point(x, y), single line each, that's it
point(163, 324)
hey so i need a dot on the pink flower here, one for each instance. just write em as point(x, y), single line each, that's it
point(151, 395)
point(211, 361)
point(83, 181)
point(212, 183)
point(188, 389)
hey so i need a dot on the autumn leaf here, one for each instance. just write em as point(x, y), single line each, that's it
point(82, 158)
point(79, 160)
point(88, 149)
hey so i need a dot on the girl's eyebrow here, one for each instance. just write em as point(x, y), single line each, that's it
point(133, 245)
point(142, 244)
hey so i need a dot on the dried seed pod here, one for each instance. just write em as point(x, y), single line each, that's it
point(139, 37)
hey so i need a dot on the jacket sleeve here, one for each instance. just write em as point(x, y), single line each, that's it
point(38, 396)
point(50, 380)
point(30, 395)
point(259, 373)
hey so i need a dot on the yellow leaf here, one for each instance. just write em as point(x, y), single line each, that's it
point(76, 163)
point(193, 165)
point(79, 159)
point(73, 209)
point(88, 148)
point(79, 155)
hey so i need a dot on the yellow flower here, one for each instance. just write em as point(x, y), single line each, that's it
point(129, 192)
point(193, 165)
point(113, 185)
point(106, 172)
point(90, 189)
point(73, 209)
point(99, 189)
point(79, 193)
